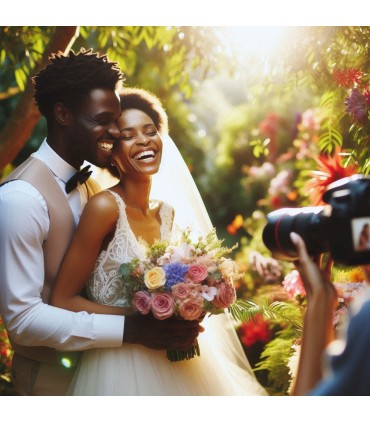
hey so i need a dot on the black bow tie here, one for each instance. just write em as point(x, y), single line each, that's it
point(81, 176)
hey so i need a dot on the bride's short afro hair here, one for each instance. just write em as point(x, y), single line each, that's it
point(70, 78)
point(147, 102)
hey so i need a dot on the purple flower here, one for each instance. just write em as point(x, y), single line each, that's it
point(175, 273)
point(356, 105)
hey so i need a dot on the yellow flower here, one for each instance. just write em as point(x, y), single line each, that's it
point(155, 278)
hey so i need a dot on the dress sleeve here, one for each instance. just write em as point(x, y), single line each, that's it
point(351, 368)
point(24, 224)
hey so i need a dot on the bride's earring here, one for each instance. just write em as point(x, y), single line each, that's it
point(112, 164)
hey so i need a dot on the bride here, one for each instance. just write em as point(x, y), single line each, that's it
point(146, 162)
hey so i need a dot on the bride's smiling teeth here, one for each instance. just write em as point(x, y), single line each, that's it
point(149, 154)
point(106, 145)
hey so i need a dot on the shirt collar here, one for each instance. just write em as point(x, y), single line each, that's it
point(54, 162)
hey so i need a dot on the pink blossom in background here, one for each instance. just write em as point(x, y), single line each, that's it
point(267, 267)
point(267, 169)
point(281, 183)
point(310, 121)
point(293, 284)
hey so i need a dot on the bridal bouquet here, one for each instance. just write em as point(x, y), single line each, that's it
point(187, 279)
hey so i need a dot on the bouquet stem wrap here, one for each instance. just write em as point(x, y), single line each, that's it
point(180, 355)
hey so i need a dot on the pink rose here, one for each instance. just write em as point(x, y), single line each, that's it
point(162, 305)
point(197, 273)
point(191, 309)
point(142, 301)
point(180, 291)
point(293, 284)
point(225, 297)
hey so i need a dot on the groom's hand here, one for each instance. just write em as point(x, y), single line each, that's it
point(164, 334)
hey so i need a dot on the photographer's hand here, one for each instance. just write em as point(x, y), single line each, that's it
point(366, 271)
point(318, 328)
point(315, 278)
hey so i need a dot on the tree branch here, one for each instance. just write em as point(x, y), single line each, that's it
point(25, 116)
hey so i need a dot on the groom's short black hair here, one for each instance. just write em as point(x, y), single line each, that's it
point(70, 78)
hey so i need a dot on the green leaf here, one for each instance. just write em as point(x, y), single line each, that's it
point(2, 56)
point(21, 78)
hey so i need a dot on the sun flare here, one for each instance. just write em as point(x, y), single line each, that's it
point(252, 40)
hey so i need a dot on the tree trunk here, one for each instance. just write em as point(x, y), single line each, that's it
point(20, 125)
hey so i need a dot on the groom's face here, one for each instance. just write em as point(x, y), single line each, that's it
point(93, 128)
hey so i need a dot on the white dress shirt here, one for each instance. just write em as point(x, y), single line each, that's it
point(24, 225)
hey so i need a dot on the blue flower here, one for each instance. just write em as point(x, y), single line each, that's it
point(175, 273)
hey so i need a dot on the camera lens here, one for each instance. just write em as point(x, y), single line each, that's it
point(311, 223)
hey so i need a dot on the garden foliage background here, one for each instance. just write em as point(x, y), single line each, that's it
point(265, 117)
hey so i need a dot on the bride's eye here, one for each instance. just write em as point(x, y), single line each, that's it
point(126, 137)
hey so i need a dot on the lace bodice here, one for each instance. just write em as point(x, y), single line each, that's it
point(105, 284)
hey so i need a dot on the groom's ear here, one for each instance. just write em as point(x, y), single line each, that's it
point(62, 114)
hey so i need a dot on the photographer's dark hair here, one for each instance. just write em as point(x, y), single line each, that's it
point(70, 78)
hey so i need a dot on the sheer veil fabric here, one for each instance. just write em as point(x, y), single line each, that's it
point(219, 342)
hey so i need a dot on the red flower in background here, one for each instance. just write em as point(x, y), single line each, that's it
point(256, 329)
point(330, 170)
point(347, 78)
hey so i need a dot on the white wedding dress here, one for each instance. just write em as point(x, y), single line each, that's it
point(221, 369)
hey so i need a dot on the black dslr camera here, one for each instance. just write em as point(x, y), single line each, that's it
point(342, 227)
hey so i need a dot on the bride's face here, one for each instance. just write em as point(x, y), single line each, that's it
point(139, 150)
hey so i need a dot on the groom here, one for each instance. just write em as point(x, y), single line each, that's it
point(41, 202)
